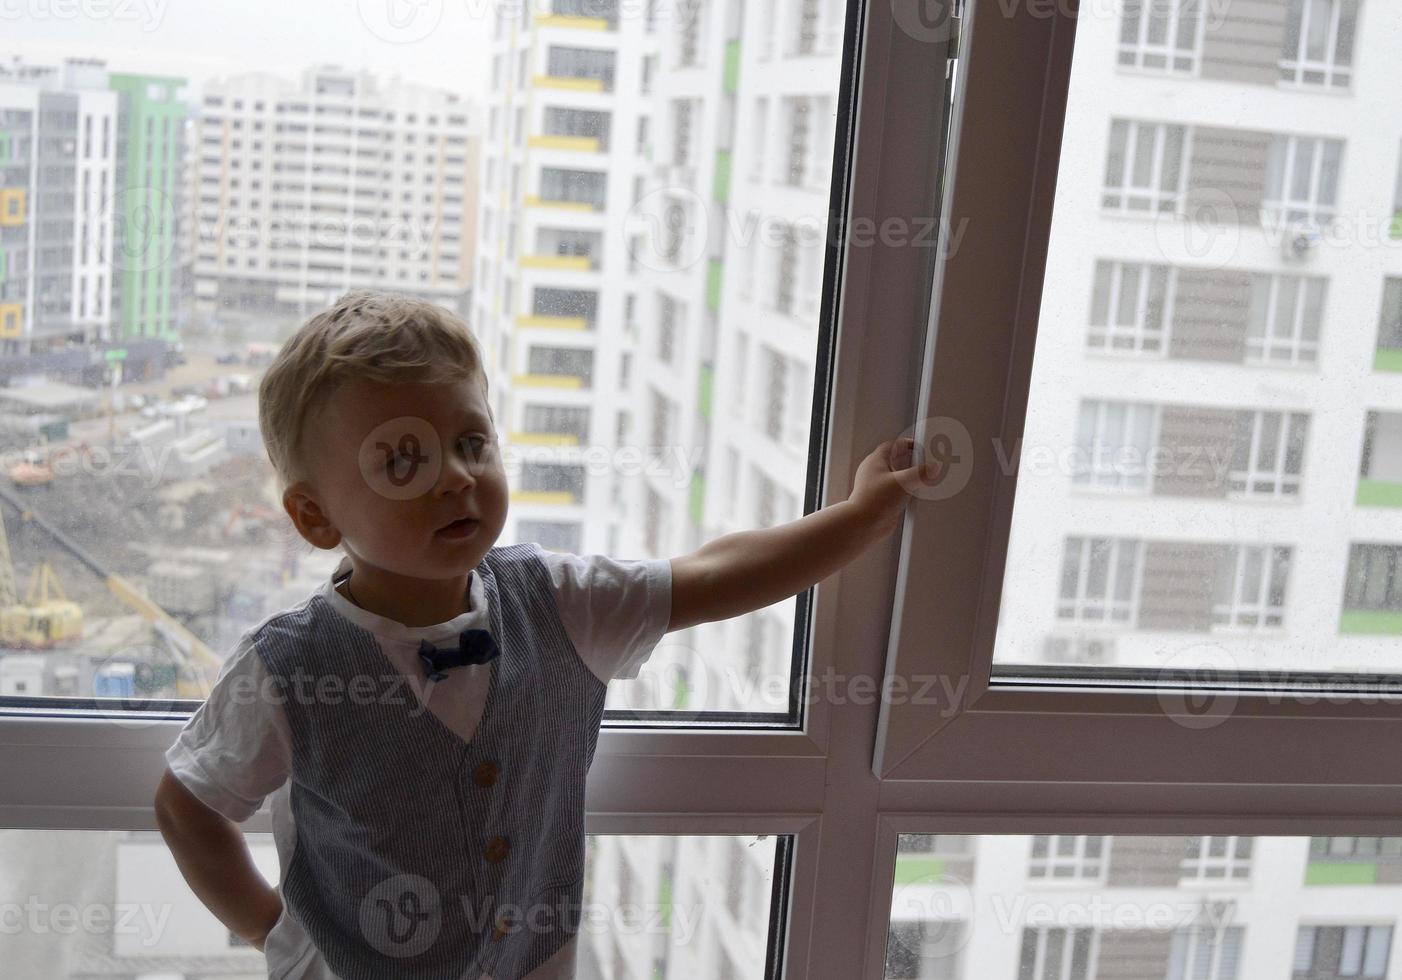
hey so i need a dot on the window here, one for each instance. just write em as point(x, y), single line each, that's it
point(1218, 859)
point(1251, 585)
point(1162, 35)
point(1286, 315)
point(1057, 954)
point(1068, 858)
point(1319, 42)
point(1099, 580)
point(1302, 177)
point(1114, 442)
point(1130, 307)
point(1328, 952)
point(1144, 169)
point(1205, 954)
point(1269, 460)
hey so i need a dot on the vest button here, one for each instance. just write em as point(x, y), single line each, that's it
point(496, 849)
point(486, 774)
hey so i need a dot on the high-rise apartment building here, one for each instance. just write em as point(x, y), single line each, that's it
point(303, 190)
point(571, 88)
point(1220, 332)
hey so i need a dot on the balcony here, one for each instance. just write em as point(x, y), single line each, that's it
point(543, 322)
point(531, 201)
point(573, 23)
point(564, 83)
point(549, 498)
point(559, 263)
point(561, 381)
point(572, 144)
point(1380, 477)
point(550, 439)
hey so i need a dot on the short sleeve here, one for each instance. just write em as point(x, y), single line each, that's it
point(236, 748)
point(615, 610)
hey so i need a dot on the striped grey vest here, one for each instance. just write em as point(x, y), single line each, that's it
point(419, 855)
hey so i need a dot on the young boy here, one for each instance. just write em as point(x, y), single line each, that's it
point(437, 833)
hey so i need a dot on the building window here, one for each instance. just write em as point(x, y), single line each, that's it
point(575, 362)
point(666, 328)
point(800, 135)
point(1144, 168)
point(1114, 441)
point(681, 131)
point(1205, 954)
point(1250, 586)
point(1269, 462)
point(775, 391)
point(1330, 952)
point(1161, 35)
point(1058, 954)
point(1068, 858)
point(786, 277)
point(1302, 179)
point(1099, 580)
point(1319, 38)
point(1284, 320)
point(1217, 859)
point(1129, 308)
point(1374, 578)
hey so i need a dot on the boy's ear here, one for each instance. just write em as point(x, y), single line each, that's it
point(311, 522)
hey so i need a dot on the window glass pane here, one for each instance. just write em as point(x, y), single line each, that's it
point(1243, 417)
point(114, 904)
point(985, 912)
point(179, 193)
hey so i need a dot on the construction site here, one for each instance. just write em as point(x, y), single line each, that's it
point(134, 552)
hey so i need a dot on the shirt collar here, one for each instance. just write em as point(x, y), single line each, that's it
point(394, 631)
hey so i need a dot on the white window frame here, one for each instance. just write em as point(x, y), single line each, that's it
point(1225, 615)
point(1332, 76)
point(1077, 860)
point(1187, 945)
point(1142, 51)
point(1041, 969)
point(1266, 759)
point(1244, 484)
point(1263, 344)
point(1121, 466)
point(1104, 338)
point(1158, 201)
point(1278, 205)
point(1108, 605)
point(1198, 867)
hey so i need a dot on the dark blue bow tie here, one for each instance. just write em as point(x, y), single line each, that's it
point(475, 646)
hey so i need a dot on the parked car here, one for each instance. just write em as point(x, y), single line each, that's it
point(230, 358)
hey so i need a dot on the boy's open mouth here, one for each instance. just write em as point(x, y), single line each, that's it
point(459, 528)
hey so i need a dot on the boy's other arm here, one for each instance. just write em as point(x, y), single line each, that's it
point(212, 854)
point(747, 570)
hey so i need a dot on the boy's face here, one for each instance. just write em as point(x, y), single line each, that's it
point(393, 465)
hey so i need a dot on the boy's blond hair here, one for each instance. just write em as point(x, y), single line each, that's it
point(371, 335)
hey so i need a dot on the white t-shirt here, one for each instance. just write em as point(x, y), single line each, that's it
point(236, 749)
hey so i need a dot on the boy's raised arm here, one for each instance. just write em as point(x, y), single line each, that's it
point(747, 570)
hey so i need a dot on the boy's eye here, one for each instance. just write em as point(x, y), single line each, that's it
point(477, 444)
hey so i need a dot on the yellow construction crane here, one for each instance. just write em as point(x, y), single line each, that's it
point(39, 622)
point(48, 622)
